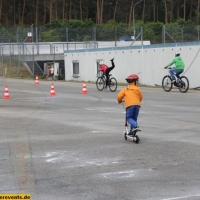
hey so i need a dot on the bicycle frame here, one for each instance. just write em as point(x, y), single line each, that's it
point(101, 82)
point(177, 79)
point(181, 82)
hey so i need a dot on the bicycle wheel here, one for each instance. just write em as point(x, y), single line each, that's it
point(100, 83)
point(166, 83)
point(113, 84)
point(183, 84)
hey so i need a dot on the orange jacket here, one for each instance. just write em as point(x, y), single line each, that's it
point(131, 94)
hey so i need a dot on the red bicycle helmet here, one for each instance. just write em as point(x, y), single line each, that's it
point(131, 78)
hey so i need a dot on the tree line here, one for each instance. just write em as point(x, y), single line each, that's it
point(42, 12)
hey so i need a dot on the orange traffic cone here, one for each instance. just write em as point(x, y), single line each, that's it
point(84, 90)
point(36, 80)
point(52, 92)
point(6, 94)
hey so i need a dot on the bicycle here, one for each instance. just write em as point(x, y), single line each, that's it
point(182, 83)
point(101, 83)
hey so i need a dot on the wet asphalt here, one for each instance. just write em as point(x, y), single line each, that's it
point(71, 146)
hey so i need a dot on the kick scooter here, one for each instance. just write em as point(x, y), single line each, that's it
point(135, 138)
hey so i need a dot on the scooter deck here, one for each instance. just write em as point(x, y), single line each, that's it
point(134, 138)
point(135, 132)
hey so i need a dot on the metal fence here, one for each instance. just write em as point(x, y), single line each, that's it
point(155, 34)
point(39, 48)
point(180, 34)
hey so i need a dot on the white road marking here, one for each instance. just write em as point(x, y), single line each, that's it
point(183, 197)
point(89, 109)
point(57, 156)
point(52, 160)
point(120, 174)
point(49, 154)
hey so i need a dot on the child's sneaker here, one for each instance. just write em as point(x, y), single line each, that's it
point(105, 88)
point(135, 129)
point(112, 59)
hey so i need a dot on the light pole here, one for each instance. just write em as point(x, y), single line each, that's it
point(134, 17)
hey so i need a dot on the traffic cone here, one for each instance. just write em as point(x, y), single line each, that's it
point(6, 94)
point(84, 90)
point(36, 80)
point(52, 92)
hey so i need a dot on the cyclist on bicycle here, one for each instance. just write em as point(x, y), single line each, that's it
point(133, 97)
point(106, 70)
point(179, 66)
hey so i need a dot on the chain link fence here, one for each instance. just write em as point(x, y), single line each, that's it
point(180, 34)
point(154, 34)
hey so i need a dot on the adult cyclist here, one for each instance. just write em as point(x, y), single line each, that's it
point(179, 66)
point(106, 70)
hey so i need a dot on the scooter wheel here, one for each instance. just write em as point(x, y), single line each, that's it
point(125, 137)
point(137, 139)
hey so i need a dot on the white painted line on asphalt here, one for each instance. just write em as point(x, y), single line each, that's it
point(96, 163)
point(52, 160)
point(120, 174)
point(183, 197)
point(49, 154)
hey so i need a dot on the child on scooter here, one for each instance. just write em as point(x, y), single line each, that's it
point(132, 96)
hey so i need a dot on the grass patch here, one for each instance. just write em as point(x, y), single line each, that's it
point(14, 71)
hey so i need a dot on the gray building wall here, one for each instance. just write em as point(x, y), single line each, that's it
point(146, 61)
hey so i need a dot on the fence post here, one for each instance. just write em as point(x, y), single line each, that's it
point(17, 35)
point(2, 59)
point(53, 57)
point(19, 47)
point(36, 34)
point(32, 31)
point(33, 61)
point(115, 36)
point(10, 55)
point(142, 37)
point(94, 34)
point(182, 32)
point(36, 39)
point(67, 39)
point(163, 34)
